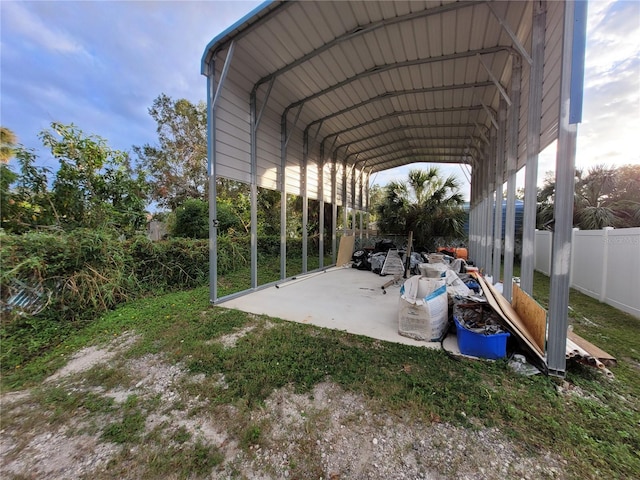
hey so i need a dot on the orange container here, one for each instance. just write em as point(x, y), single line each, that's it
point(457, 252)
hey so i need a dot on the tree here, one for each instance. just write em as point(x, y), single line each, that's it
point(376, 196)
point(625, 197)
point(94, 186)
point(8, 142)
point(177, 166)
point(427, 204)
point(7, 177)
point(603, 197)
point(25, 198)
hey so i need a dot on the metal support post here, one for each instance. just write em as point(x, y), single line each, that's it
point(536, 74)
point(211, 171)
point(512, 159)
point(499, 183)
point(254, 193)
point(345, 203)
point(321, 212)
point(283, 198)
point(573, 44)
point(305, 200)
point(334, 209)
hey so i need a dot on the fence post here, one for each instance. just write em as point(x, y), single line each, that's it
point(605, 260)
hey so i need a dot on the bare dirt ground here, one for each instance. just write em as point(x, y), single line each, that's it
point(325, 434)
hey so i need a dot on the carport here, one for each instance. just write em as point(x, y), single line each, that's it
point(312, 98)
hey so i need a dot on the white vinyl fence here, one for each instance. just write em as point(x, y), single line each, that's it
point(605, 264)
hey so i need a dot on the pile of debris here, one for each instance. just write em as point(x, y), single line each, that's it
point(443, 291)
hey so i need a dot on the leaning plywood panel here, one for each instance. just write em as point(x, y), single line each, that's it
point(345, 250)
point(533, 316)
point(511, 318)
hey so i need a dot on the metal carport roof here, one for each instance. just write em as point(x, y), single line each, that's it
point(311, 98)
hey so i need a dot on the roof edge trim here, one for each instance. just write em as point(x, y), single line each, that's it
point(237, 28)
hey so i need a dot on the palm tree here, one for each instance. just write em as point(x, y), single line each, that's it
point(7, 144)
point(603, 197)
point(427, 204)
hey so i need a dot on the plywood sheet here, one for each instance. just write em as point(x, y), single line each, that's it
point(510, 317)
point(345, 250)
point(593, 350)
point(533, 316)
point(513, 317)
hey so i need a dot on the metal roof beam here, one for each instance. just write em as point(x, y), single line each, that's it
point(363, 29)
point(419, 157)
point(414, 150)
point(482, 134)
point(406, 113)
point(293, 127)
point(495, 81)
point(414, 139)
point(264, 103)
point(399, 93)
point(412, 127)
point(491, 115)
point(392, 66)
point(516, 41)
point(223, 75)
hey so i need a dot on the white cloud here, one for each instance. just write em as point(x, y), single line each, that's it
point(611, 107)
point(32, 29)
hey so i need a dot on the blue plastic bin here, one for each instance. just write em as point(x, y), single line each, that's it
point(492, 346)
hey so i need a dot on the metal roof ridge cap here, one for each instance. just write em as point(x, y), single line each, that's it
point(241, 25)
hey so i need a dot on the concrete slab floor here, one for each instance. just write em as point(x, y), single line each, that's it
point(339, 298)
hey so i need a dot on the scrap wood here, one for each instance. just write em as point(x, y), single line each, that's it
point(533, 316)
point(576, 352)
point(593, 350)
point(407, 271)
point(345, 250)
point(504, 309)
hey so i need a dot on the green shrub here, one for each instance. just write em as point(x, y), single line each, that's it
point(82, 274)
point(169, 264)
point(192, 219)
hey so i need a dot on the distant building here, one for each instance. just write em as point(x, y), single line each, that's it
point(519, 217)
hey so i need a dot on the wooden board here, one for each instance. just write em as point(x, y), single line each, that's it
point(345, 250)
point(533, 316)
point(511, 318)
point(593, 350)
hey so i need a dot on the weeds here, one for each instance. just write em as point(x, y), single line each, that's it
point(594, 428)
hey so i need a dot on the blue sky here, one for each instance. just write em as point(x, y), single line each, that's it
point(100, 65)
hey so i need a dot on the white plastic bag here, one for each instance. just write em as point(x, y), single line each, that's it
point(423, 309)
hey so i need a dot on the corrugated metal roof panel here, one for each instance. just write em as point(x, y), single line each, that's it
point(327, 52)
